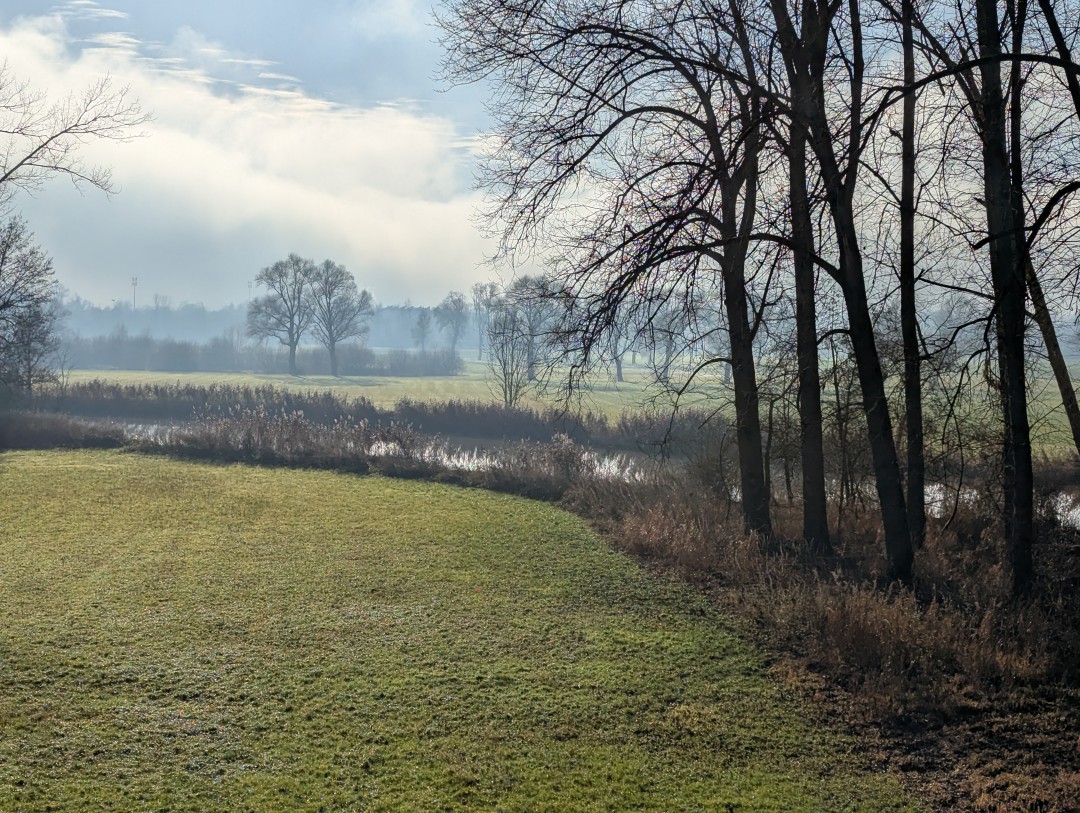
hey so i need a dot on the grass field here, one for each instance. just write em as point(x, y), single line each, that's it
point(195, 637)
point(603, 396)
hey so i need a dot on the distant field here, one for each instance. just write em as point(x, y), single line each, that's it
point(604, 396)
point(196, 637)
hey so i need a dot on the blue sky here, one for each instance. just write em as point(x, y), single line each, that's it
point(311, 127)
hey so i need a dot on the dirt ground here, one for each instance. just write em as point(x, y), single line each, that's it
point(1015, 753)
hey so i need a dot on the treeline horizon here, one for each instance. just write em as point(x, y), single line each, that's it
point(232, 353)
point(390, 325)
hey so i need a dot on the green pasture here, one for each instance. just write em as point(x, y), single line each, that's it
point(385, 391)
point(186, 637)
point(603, 395)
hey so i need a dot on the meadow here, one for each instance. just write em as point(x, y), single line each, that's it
point(603, 395)
point(190, 636)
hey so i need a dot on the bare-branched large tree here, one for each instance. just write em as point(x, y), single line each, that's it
point(339, 310)
point(913, 162)
point(29, 316)
point(284, 312)
point(43, 138)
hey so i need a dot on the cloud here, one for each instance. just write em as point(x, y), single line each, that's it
point(237, 173)
point(89, 10)
point(279, 77)
point(252, 63)
point(115, 41)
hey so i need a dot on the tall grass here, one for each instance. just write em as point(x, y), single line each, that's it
point(458, 418)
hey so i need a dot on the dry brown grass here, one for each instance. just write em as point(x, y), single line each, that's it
point(943, 669)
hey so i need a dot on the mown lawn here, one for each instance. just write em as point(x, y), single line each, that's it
point(195, 637)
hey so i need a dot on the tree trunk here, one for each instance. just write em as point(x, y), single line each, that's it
point(332, 348)
point(804, 56)
point(899, 555)
point(767, 453)
point(1054, 354)
point(1039, 307)
point(292, 359)
point(618, 368)
point(815, 500)
point(755, 496)
point(1009, 284)
point(909, 319)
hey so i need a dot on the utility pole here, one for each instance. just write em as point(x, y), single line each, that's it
point(134, 284)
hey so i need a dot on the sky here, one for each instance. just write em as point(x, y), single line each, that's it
point(317, 128)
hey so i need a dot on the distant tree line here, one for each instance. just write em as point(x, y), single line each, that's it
point(160, 317)
point(231, 352)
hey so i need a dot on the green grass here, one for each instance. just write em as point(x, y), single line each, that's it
point(603, 396)
point(196, 637)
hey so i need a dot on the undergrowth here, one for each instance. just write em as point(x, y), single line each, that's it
point(484, 420)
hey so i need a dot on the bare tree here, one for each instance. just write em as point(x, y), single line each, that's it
point(421, 330)
point(656, 110)
point(339, 311)
point(284, 313)
point(452, 314)
point(621, 338)
point(909, 321)
point(509, 351)
point(43, 138)
point(30, 350)
point(533, 299)
point(972, 58)
point(827, 90)
point(26, 278)
point(483, 296)
point(1004, 228)
point(29, 314)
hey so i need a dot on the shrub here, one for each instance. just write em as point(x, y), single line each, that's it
point(19, 430)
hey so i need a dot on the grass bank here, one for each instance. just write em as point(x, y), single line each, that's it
point(197, 637)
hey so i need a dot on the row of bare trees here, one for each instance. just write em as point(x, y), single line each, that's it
point(451, 316)
point(740, 159)
point(301, 297)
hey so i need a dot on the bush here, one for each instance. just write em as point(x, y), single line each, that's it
point(19, 430)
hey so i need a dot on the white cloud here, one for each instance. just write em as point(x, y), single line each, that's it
point(252, 63)
point(235, 175)
point(279, 77)
point(90, 10)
